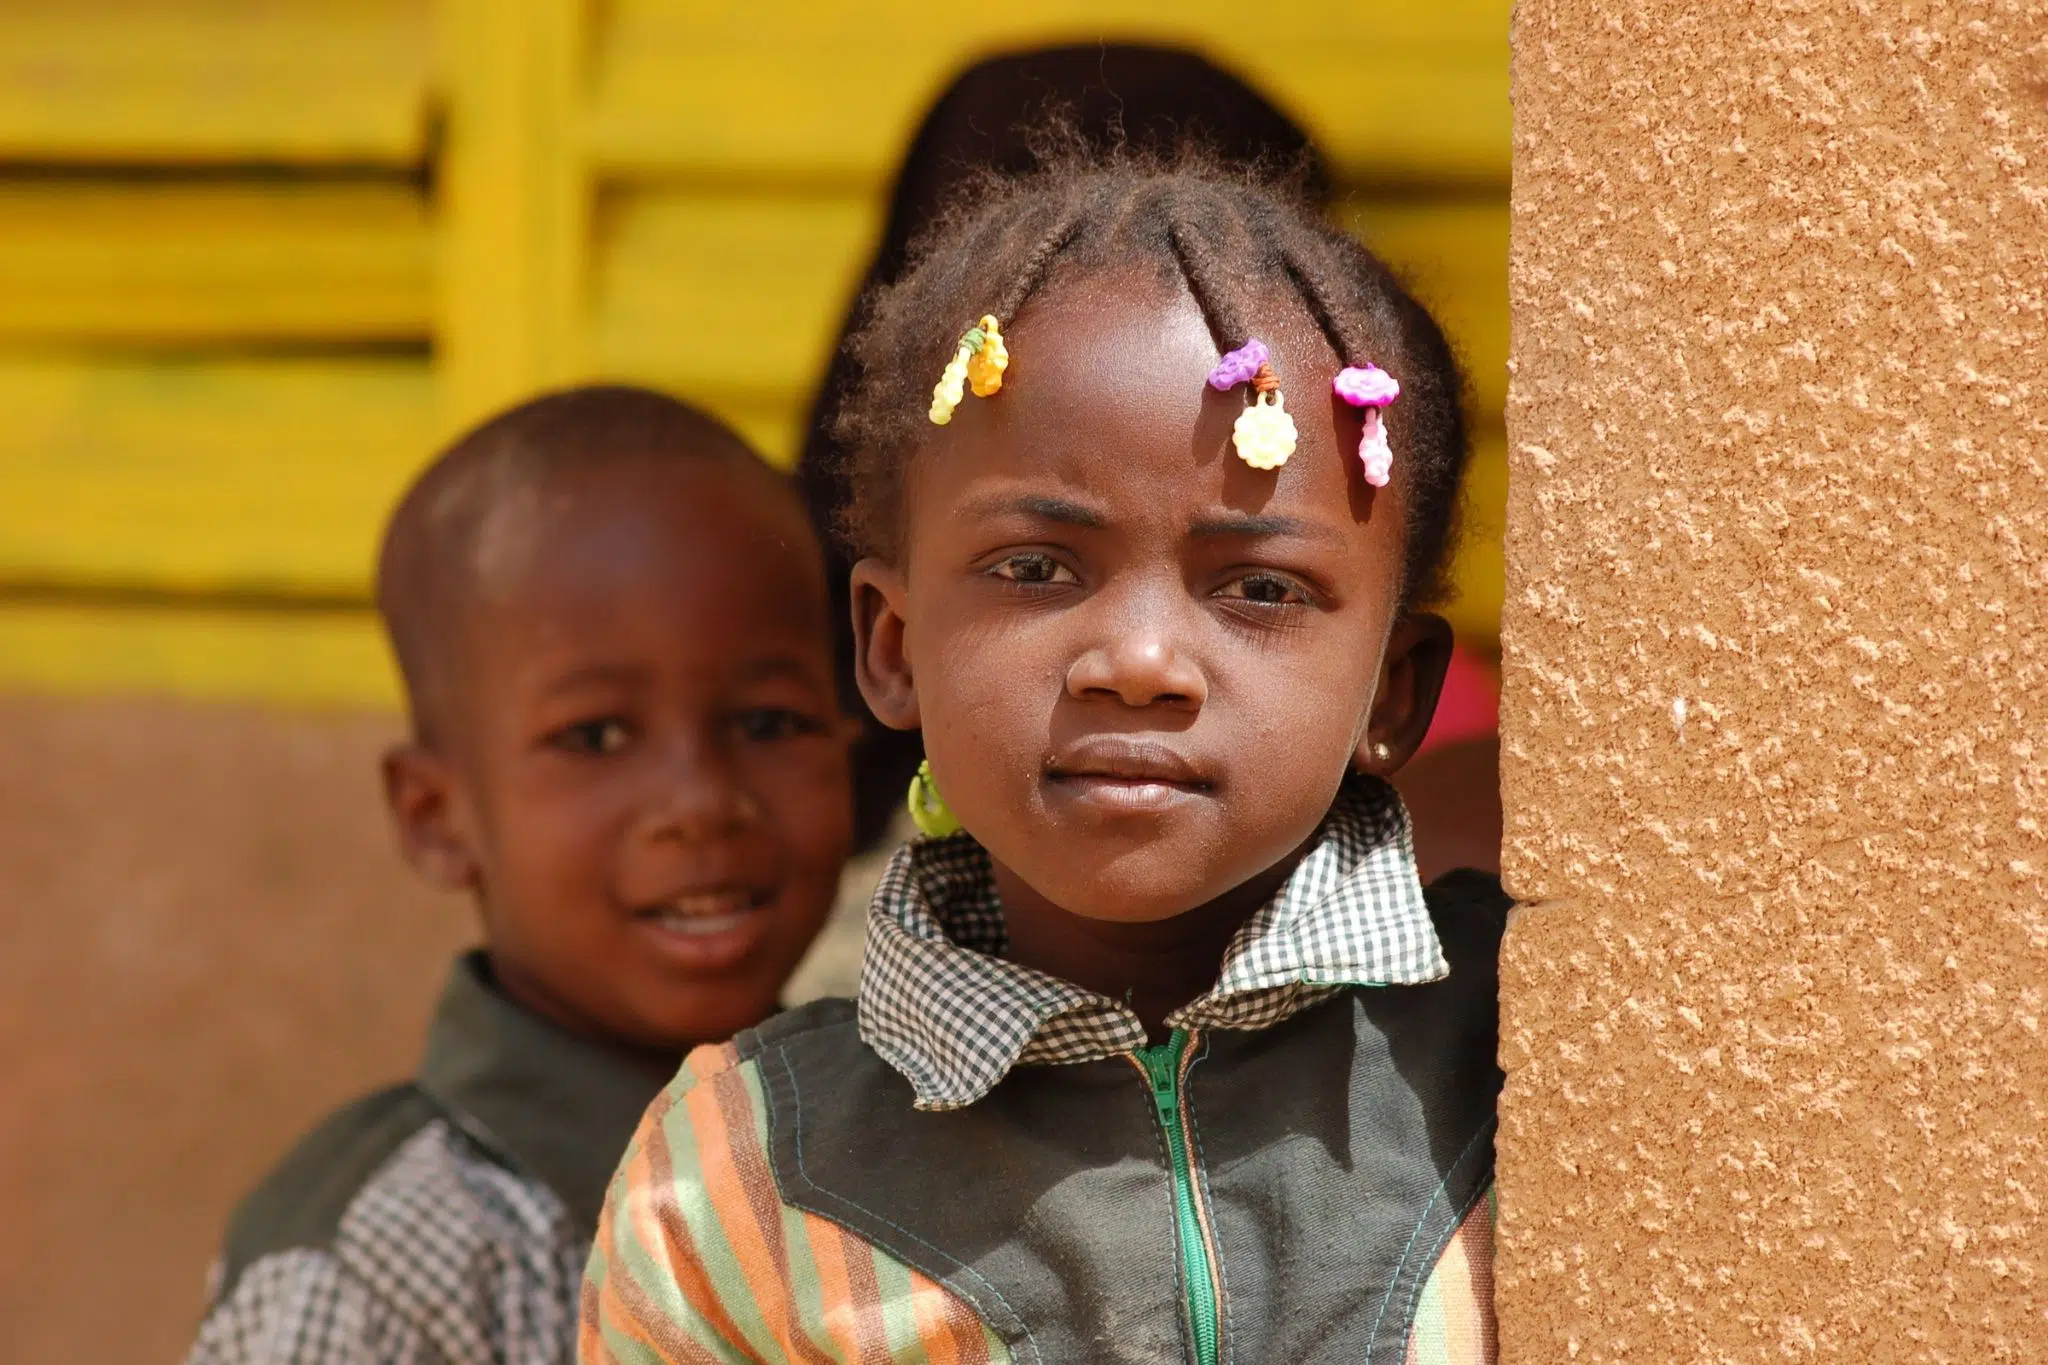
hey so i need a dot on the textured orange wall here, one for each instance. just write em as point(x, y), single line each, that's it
point(1776, 720)
point(206, 941)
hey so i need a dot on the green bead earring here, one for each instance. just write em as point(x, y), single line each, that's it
point(927, 808)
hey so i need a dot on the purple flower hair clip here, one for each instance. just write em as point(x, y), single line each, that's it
point(1371, 388)
point(1238, 366)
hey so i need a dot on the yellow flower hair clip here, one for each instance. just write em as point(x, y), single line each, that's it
point(1264, 434)
point(979, 360)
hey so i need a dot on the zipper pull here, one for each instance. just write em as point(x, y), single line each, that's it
point(1162, 1069)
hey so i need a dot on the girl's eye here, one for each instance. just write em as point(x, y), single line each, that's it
point(1267, 590)
point(596, 738)
point(1033, 568)
point(765, 724)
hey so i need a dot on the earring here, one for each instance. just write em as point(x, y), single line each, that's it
point(1381, 752)
point(928, 809)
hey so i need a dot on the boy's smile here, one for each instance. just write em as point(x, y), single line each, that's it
point(1143, 668)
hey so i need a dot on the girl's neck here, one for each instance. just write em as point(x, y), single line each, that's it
point(1154, 967)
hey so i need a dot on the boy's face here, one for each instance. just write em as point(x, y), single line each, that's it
point(642, 766)
point(1142, 667)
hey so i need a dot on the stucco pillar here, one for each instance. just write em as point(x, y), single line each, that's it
point(1776, 722)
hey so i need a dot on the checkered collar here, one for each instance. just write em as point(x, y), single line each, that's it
point(942, 1006)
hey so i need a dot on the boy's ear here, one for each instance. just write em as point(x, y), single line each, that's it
point(1418, 653)
point(881, 663)
point(419, 788)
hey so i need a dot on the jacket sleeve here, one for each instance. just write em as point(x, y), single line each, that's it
point(648, 1295)
point(303, 1307)
point(1454, 1322)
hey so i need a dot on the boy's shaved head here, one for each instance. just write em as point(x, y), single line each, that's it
point(467, 518)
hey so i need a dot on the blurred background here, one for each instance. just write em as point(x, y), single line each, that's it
point(256, 260)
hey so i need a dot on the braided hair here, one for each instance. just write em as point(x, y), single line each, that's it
point(1233, 238)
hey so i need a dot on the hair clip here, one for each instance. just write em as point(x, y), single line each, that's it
point(985, 367)
point(979, 359)
point(1264, 433)
point(1371, 388)
point(1238, 366)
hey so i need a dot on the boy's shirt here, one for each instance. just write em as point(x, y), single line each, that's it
point(987, 1164)
point(444, 1221)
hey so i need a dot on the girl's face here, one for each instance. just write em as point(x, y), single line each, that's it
point(1142, 668)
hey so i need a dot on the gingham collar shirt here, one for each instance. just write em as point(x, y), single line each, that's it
point(941, 1005)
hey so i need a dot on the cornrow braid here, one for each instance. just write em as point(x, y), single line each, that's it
point(1242, 247)
point(1033, 271)
point(1205, 281)
point(1314, 292)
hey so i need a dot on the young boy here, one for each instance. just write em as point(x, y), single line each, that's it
point(626, 746)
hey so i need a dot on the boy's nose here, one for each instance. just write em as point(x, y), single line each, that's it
point(1139, 668)
point(702, 798)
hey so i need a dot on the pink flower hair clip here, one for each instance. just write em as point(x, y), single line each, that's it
point(1371, 388)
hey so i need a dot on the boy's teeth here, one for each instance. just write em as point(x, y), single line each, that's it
point(710, 912)
point(706, 925)
point(712, 903)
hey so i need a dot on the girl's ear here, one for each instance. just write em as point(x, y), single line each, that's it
point(419, 788)
point(881, 664)
point(1411, 677)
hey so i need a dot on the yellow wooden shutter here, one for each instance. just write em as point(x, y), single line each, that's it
point(257, 260)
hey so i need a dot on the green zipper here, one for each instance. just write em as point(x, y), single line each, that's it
point(1165, 1068)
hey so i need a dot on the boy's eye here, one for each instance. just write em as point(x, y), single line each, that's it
point(1033, 568)
point(1267, 590)
point(766, 723)
point(608, 735)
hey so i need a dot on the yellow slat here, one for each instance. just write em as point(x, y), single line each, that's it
point(214, 80)
point(733, 299)
point(514, 248)
point(831, 91)
point(260, 475)
point(157, 262)
point(311, 658)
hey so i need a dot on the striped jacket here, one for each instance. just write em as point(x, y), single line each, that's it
point(1302, 1174)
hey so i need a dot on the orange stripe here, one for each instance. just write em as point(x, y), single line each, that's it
point(947, 1327)
point(741, 1190)
point(710, 1060)
point(654, 1170)
point(928, 1304)
point(623, 1303)
point(852, 1296)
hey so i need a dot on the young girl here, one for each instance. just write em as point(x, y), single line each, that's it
point(1162, 1052)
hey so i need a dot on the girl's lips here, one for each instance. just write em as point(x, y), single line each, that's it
point(1125, 775)
point(1126, 759)
point(1125, 795)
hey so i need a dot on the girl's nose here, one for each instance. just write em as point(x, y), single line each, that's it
point(1138, 669)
